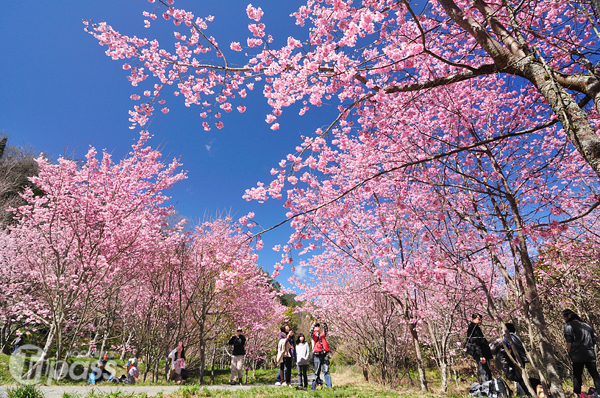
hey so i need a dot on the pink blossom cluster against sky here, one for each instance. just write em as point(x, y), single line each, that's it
point(60, 94)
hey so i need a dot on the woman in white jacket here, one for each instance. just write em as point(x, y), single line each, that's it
point(302, 354)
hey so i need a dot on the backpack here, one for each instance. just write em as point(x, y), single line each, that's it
point(317, 384)
point(499, 389)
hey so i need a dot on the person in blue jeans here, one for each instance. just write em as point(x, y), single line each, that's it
point(321, 352)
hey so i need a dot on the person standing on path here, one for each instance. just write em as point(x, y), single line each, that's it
point(321, 351)
point(478, 347)
point(580, 340)
point(284, 359)
point(238, 341)
point(283, 331)
point(302, 353)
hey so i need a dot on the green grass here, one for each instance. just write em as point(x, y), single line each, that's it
point(24, 392)
point(263, 376)
point(287, 392)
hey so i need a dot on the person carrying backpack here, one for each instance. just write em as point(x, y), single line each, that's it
point(516, 350)
point(580, 340)
point(321, 352)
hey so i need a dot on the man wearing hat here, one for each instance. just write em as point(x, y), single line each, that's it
point(238, 341)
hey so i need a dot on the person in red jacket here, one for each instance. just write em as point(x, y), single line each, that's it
point(321, 351)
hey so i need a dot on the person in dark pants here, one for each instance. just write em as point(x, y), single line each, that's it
point(284, 359)
point(302, 354)
point(580, 345)
point(478, 347)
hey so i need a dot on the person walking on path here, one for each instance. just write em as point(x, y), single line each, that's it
point(238, 341)
point(478, 347)
point(302, 353)
point(580, 340)
point(284, 359)
point(321, 351)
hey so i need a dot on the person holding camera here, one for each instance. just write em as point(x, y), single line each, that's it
point(321, 351)
point(238, 341)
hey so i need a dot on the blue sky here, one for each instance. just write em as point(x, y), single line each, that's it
point(60, 93)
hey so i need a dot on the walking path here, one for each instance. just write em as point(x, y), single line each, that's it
point(83, 391)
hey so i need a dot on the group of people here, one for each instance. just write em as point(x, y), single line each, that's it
point(510, 357)
point(100, 373)
point(177, 373)
point(289, 350)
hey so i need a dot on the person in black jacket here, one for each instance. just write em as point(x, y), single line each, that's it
point(580, 345)
point(478, 347)
point(238, 341)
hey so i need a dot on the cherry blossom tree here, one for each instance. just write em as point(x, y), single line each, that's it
point(73, 240)
point(471, 125)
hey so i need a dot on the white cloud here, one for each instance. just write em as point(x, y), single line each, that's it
point(301, 272)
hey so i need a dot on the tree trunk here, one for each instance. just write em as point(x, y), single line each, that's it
point(167, 367)
point(202, 361)
point(212, 368)
point(125, 346)
point(93, 344)
point(104, 339)
point(155, 375)
point(444, 377)
point(5, 337)
point(36, 369)
point(419, 356)
point(147, 366)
